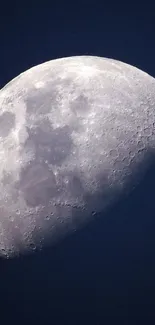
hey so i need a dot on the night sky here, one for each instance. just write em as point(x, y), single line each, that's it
point(105, 273)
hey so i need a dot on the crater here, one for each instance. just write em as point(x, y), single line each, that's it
point(7, 123)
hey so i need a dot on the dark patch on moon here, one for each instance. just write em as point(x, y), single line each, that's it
point(37, 183)
point(41, 102)
point(75, 184)
point(7, 123)
point(81, 104)
point(6, 178)
point(47, 98)
point(51, 145)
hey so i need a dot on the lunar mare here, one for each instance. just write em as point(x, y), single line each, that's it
point(75, 133)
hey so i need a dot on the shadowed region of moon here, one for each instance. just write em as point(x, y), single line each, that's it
point(98, 273)
point(7, 123)
point(87, 128)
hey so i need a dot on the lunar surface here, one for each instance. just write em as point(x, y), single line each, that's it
point(75, 134)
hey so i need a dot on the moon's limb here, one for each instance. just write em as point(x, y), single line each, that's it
point(74, 134)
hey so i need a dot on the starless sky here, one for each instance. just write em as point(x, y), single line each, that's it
point(32, 34)
point(105, 274)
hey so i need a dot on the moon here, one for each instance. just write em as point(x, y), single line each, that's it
point(76, 133)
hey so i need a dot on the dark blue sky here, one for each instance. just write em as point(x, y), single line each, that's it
point(37, 33)
point(105, 273)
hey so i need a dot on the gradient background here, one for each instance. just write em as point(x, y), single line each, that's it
point(104, 274)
